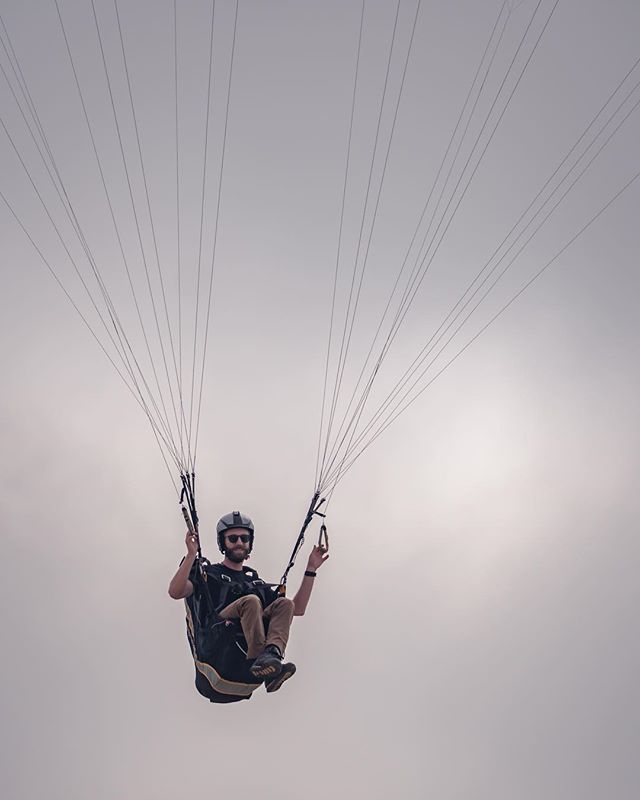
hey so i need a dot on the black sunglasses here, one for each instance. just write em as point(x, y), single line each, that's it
point(233, 537)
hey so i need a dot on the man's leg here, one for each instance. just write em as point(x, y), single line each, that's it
point(248, 610)
point(279, 615)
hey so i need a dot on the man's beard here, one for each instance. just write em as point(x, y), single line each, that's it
point(236, 556)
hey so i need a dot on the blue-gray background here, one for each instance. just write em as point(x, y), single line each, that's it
point(474, 633)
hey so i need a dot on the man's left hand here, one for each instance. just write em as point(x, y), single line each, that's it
point(317, 557)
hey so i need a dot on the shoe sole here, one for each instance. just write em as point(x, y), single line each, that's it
point(288, 670)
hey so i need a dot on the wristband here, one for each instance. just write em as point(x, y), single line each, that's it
point(309, 574)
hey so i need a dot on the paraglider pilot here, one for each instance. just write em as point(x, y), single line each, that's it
point(239, 595)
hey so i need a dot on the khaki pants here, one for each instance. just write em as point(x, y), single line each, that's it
point(252, 616)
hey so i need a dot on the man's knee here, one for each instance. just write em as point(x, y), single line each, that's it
point(283, 605)
point(250, 603)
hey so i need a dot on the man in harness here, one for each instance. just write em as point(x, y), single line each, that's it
point(219, 597)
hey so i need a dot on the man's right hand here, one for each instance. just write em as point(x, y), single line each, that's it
point(180, 586)
point(192, 544)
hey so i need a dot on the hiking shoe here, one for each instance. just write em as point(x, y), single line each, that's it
point(268, 664)
point(285, 673)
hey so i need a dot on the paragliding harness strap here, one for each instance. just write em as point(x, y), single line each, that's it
point(314, 505)
point(190, 514)
point(188, 496)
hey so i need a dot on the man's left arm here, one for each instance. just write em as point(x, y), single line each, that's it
point(318, 556)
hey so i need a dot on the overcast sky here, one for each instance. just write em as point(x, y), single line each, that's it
point(474, 632)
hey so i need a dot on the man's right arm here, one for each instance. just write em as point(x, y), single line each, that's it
point(180, 586)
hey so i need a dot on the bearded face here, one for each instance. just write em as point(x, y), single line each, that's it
point(237, 543)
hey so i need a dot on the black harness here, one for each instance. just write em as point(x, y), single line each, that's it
point(218, 646)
